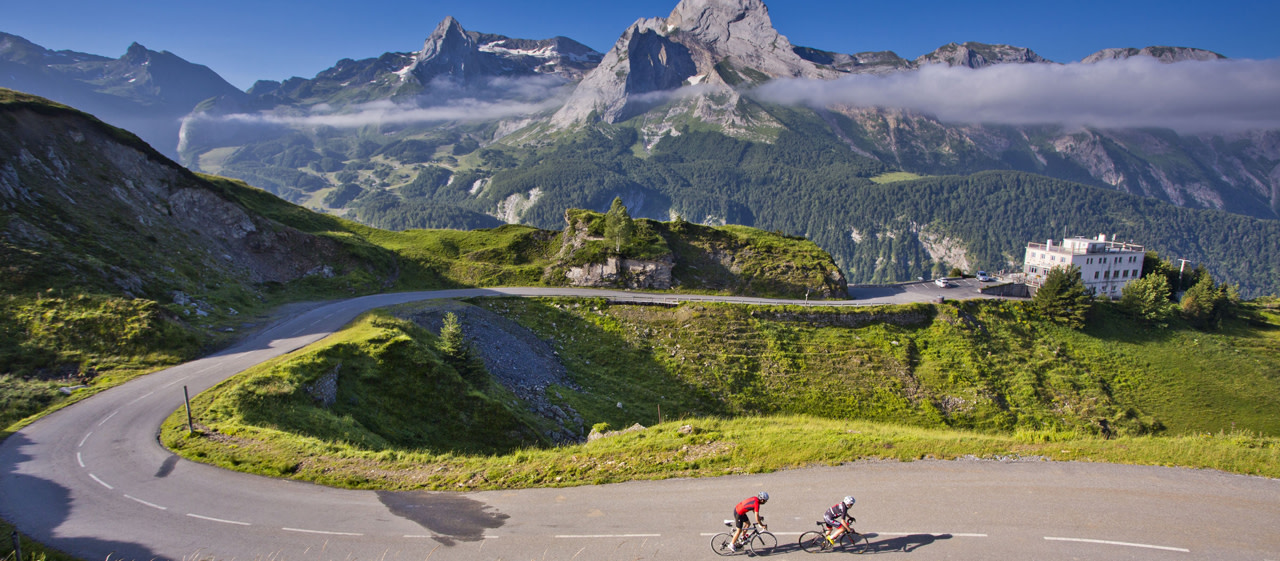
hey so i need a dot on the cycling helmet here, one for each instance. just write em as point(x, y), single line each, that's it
point(848, 501)
point(763, 496)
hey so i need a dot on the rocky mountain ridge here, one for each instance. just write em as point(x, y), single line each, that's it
point(451, 57)
point(144, 91)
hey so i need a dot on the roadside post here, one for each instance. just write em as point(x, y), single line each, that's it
point(186, 399)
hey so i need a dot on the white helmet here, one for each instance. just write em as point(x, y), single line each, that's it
point(848, 501)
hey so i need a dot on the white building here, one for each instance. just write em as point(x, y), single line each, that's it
point(1104, 266)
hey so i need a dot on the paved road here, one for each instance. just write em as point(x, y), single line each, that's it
point(92, 480)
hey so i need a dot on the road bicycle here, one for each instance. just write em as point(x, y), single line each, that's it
point(755, 538)
point(815, 541)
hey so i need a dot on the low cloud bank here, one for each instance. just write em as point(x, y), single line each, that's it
point(498, 98)
point(1190, 97)
point(387, 112)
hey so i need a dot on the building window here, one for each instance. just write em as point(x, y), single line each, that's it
point(1095, 275)
point(1135, 273)
point(1106, 274)
point(1126, 273)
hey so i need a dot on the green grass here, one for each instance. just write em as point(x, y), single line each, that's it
point(716, 446)
point(50, 341)
point(31, 550)
point(895, 176)
point(770, 388)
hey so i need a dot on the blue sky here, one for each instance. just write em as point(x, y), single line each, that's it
point(248, 40)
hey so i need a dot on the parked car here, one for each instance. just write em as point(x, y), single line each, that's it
point(942, 283)
point(984, 277)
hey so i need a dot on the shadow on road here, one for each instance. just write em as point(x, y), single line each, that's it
point(37, 507)
point(450, 517)
point(902, 544)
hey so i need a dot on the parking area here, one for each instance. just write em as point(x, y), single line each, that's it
point(922, 291)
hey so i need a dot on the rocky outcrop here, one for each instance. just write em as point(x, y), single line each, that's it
point(979, 55)
point(515, 356)
point(616, 272)
point(1162, 54)
point(608, 269)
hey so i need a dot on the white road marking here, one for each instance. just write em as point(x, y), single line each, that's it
point(877, 534)
point(1126, 544)
point(181, 379)
point(321, 532)
point(928, 534)
point(140, 398)
point(86, 437)
point(211, 519)
point(427, 537)
point(79, 459)
point(113, 414)
point(152, 505)
point(104, 483)
point(577, 536)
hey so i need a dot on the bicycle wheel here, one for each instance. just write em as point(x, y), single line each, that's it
point(763, 543)
point(857, 543)
point(814, 541)
point(720, 543)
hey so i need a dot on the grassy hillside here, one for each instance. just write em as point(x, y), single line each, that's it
point(766, 388)
point(115, 261)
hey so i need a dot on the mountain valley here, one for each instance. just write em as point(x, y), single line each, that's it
point(476, 130)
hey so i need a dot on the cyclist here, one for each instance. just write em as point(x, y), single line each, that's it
point(740, 519)
point(834, 518)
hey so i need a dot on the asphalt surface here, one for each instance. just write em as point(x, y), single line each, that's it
point(92, 480)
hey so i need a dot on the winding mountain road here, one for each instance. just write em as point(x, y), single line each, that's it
point(92, 480)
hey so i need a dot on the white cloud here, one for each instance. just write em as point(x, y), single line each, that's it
point(386, 112)
point(506, 98)
point(1191, 97)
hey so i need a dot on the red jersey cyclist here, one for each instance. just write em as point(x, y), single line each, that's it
point(740, 519)
point(835, 517)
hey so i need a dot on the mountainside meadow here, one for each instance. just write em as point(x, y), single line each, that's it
point(733, 389)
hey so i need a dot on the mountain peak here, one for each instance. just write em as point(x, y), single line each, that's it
point(1162, 54)
point(720, 44)
point(977, 55)
point(448, 37)
point(136, 53)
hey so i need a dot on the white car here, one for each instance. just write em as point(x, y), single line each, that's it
point(942, 283)
point(984, 277)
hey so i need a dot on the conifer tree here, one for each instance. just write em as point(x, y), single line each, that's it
point(618, 226)
point(1063, 298)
